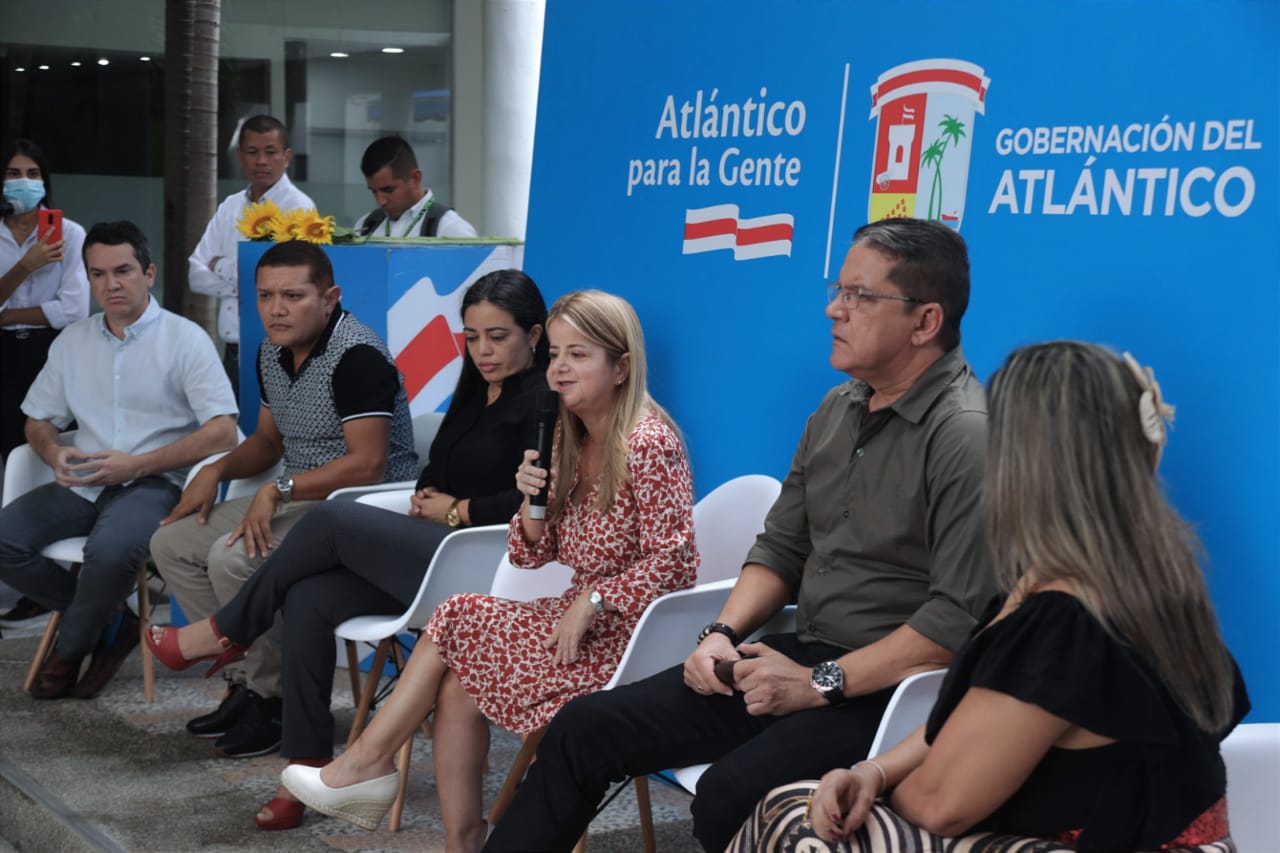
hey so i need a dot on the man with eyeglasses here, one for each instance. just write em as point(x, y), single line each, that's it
point(877, 537)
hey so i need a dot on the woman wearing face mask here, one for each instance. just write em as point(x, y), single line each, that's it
point(43, 286)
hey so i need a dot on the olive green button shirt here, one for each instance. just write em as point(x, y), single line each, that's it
point(879, 520)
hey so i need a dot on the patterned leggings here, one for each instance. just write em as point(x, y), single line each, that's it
point(780, 824)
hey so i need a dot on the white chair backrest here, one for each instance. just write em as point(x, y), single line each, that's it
point(425, 427)
point(908, 709)
point(528, 584)
point(1252, 755)
point(726, 522)
point(667, 629)
point(24, 470)
point(465, 562)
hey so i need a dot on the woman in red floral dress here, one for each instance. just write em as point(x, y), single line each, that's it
point(620, 513)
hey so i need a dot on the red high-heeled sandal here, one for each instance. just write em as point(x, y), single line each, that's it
point(167, 651)
point(286, 813)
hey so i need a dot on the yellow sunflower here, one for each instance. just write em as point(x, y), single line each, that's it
point(316, 228)
point(291, 224)
point(260, 221)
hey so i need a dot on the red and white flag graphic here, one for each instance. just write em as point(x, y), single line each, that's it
point(719, 227)
point(424, 330)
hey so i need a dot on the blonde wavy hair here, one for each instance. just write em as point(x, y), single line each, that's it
point(611, 323)
point(1071, 495)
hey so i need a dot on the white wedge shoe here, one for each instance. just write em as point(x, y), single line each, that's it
point(364, 803)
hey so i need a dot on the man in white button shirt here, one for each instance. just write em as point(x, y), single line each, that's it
point(150, 399)
point(405, 207)
point(264, 154)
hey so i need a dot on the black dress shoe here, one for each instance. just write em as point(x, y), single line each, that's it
point(24, 614)
point(56, 677)
point(116, 644)
point(219, 722)
point(257, 732)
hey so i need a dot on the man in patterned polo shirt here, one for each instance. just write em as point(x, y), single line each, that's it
point(335, 411)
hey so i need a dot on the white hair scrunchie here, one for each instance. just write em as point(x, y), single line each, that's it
point(1153, 412)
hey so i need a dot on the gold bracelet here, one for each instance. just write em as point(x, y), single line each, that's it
point(884, 777)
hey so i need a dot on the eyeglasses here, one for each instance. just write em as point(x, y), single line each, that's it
point(853, 297)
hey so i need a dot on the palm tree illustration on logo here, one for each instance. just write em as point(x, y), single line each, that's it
point(952, 131)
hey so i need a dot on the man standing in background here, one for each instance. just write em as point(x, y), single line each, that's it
point(405, 207)
point(264, 154)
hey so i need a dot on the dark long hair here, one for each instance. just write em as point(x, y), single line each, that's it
point(513, 292)
point(30, 149)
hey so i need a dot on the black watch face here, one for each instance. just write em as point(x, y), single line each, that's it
point(828, 676)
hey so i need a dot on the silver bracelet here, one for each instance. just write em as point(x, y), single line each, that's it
point(884, 777)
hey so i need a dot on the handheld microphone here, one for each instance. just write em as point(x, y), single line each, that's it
point(548, 409)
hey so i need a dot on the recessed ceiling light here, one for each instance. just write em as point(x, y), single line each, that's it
point(144, 58)
point(44, 68)
point(104, 61)
point(393, 50)
point(19, 68)
point(75, 64)
point(337, 54)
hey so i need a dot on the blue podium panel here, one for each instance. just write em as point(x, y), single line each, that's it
point(1113, 166)
point(408, 293)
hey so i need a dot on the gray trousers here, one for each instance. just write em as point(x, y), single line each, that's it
point(118, 526)
point(205, 574)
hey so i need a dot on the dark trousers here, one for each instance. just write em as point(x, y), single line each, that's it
point(342, 559)
point(118, 525)
point(659, 723)
point(22, 353)
point(231, 362)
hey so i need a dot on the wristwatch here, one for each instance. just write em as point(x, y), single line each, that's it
point(451, 516)
point(828, 679)
point(284, 485)
point(597, 600)
point(719, 628)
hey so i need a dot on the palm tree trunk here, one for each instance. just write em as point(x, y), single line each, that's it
point(191, 138)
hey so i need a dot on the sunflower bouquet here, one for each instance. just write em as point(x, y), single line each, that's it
point(264, 220)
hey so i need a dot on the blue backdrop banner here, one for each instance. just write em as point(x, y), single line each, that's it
point(1113, 166)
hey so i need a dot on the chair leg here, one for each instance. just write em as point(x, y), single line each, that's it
point(353, 669)
point(144, 625)
point(528, 748)
point(370, 689)
point(42, 650)
point(402, 762)
point(645, 808)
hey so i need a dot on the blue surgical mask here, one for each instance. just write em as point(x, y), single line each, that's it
point(23, 193)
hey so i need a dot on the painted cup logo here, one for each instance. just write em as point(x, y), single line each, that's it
point(923, 138)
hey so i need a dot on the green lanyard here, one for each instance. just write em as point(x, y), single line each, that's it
point(421, 213)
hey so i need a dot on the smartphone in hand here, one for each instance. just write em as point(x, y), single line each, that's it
point(47, 221)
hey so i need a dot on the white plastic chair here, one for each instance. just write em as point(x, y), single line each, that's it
point(1252, 755)
point(726, 522)
point(24, 471)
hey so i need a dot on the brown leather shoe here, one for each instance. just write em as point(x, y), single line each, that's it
point(56, 677)
point(107, 657)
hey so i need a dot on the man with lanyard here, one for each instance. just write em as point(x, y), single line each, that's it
point(264, 153)
point(405, 207)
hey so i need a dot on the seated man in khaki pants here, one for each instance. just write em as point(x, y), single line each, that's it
point(335, 411)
